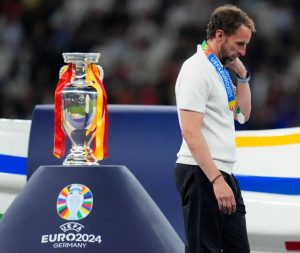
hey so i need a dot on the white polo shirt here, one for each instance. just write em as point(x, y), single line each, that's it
point(200, 88)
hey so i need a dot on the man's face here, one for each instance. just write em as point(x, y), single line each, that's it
point(234, 45)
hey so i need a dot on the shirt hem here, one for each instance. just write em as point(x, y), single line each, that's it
point(226, 167)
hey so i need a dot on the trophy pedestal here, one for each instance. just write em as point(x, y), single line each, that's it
point(119, 215)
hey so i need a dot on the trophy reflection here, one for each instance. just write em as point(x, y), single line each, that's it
point(79, 111)
point(83, 109)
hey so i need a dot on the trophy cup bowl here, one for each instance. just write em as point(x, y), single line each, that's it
point(79, 105)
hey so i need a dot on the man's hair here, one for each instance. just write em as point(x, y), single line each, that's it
point(228, 18)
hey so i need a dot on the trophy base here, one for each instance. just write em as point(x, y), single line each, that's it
point(80, 156)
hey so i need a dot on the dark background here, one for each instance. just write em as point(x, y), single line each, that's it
point(143, 44)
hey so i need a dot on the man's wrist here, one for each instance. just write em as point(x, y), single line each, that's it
point(216, 178)
point(242, 74)
point(244, 79)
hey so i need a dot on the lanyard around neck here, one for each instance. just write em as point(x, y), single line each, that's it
point(228, 85)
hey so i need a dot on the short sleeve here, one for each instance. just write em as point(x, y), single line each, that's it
point(192, 87)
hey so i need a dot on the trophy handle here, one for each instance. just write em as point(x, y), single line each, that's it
point(62, 70)
point(101, 72)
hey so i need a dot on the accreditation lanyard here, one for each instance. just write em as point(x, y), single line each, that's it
point(228, 85)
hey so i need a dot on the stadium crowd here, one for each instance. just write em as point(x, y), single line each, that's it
point(143, 44)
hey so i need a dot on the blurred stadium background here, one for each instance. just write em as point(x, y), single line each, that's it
point(143, 44)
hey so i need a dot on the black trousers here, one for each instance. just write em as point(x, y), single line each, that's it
point(207, 229)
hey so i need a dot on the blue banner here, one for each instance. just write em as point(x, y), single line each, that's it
point(13, 164)
point(274, 185)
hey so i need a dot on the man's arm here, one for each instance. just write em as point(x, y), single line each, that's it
point(243, 92)
point(243, 99)
point(191, 123)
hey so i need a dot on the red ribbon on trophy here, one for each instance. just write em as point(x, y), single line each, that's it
point(59, 135)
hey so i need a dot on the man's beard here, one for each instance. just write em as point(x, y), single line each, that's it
point(227, 60)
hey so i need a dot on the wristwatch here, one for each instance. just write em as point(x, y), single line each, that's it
point(244, 80)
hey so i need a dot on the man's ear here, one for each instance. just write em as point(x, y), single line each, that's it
point(220, 35)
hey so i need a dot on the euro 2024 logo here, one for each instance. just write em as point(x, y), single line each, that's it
point(74, 203)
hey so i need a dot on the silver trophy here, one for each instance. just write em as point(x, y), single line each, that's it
point(79, 105)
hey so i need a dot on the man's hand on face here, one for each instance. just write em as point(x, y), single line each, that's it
point(238, 67)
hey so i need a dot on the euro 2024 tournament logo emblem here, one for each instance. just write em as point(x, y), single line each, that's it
point(74, 202)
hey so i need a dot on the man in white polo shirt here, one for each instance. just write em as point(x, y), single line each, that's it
point(208, 103)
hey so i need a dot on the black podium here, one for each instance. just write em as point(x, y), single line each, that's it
point(101, 209)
